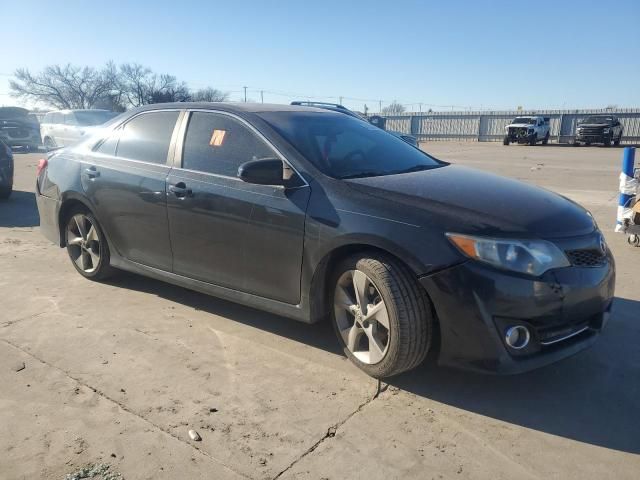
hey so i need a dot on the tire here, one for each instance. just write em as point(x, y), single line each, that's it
point(505, 141)
point(607, 141)
point(89, 252)
point(5, 192)
point(533, 139)
point(617, 141)
point(576, 143)
point(405, 309)
point(546, 139)
point(49, 144)
point(588, 144)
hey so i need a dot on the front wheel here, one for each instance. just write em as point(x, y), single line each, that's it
point(87, 246)
point(505, 141)
point(607, 142)
point(381, 315)
point(546, 139)
point(533, 139)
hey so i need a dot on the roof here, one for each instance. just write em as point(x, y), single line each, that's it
point(235, 107)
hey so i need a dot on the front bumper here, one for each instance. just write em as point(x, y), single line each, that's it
point(592, 138)
point(522, 138)
point(564, 310)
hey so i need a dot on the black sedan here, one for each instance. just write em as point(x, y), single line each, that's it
point(316, 215)
point(6, 171)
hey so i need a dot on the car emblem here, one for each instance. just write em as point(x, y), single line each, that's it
point(603, 245)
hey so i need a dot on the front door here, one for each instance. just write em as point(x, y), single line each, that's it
point(227, 232)
point(125, 178)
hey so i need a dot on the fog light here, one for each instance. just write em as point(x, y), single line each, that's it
point(517, 337)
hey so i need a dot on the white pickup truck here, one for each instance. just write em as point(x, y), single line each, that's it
point(530, 130)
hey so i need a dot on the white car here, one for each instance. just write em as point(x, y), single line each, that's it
point(529, 130)
point(66, 127)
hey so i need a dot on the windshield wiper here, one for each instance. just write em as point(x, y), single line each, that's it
point(415, 168)
point(362, 174)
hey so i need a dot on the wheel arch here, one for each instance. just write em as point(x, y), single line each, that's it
point(69, 202)
point(319, 285)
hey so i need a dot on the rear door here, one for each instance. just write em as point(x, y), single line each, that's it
point(228, 232)
point(125, 178)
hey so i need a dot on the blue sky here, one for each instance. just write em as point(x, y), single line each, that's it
point(472, 54)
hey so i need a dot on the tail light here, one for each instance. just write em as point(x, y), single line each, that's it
point(42, 164)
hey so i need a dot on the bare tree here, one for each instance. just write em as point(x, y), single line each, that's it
point(209, 94)
point(112, 87)
point(140, 86)
point(65, 86)
point(394, 108)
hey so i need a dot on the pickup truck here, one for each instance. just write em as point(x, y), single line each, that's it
point(599, 129)
point(529, 130)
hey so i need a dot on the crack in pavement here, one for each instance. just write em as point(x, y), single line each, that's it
point(332, 430)
point(126, 409)
point(27, 317)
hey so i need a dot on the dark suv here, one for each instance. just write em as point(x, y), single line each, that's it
point(313, 214)
point(605, 129)
point(19, 129)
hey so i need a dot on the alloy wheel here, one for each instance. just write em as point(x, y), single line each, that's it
point(361, 317)
point(83, 243)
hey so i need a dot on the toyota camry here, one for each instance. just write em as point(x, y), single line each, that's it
point(315, 215)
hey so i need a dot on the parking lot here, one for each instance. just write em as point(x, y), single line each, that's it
point(117, 373)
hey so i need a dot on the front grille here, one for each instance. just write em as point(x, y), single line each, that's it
point(586, 258)
point(593, 131)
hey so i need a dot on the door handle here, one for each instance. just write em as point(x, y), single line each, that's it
point(180, 190)
point(92, 172)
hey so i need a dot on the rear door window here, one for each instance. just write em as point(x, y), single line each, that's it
point(147, 137)
point(219, 144)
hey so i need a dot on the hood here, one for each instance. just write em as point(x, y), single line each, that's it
point(603, 125)
point(465, 200)
point(519, 125)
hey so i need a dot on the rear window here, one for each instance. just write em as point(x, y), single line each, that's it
point(147, 137)
point(89, 118)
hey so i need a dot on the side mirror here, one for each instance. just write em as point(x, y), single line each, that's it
point(267, 171)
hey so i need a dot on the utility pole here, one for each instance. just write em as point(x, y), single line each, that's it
point(340, 102)
point(261, 96)
point(380, 106)
point(420, 107)
point(245, 94)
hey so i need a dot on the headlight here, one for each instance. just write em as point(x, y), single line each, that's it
point(533, 257)
point(578, 128)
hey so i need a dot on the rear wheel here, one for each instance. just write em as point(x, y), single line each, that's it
point(382, 316)
point(546, 139)
point(533, 139)
point(616, 142)
point(87, 246)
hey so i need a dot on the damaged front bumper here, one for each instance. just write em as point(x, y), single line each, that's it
point(564, 310)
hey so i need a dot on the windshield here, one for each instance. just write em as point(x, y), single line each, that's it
point(598, 120)
point(346, 147)
point(88, 118)
point(525, 120)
